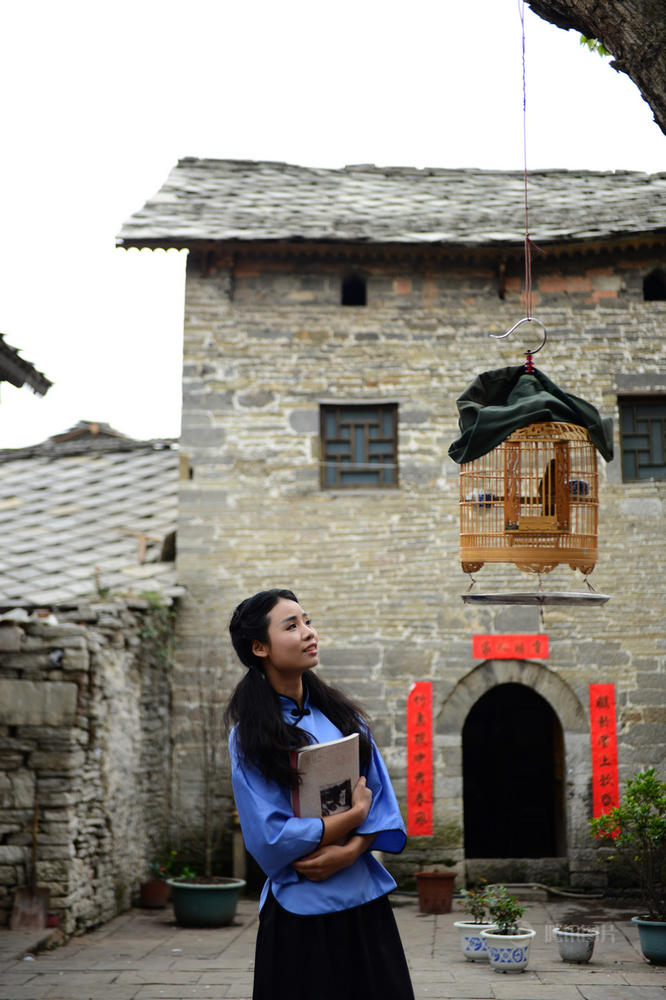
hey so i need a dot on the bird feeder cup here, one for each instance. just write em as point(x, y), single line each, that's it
point(532, 501)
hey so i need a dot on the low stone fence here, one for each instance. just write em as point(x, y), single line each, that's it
point(84, 748)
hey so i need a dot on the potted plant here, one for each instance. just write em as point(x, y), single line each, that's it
point(204, 900)
point(207, 900)
point(475, 903)
point(155, 892)
point(435, 889)
point(508, 943)
point(637, 830)
point(575, 942)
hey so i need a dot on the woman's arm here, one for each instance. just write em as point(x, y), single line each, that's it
point(326, 861)
point(334, 851)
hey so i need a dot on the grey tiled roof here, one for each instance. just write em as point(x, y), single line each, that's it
point(17, 371)
point(77, 519)
point(229, 200)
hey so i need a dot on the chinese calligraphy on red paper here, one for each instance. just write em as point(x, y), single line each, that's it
point(510, 647)
point(603, 734)
point(419, 760)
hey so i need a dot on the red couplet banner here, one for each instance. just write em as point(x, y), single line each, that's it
point(510, 647)
point(419, 760)
point(603, 734)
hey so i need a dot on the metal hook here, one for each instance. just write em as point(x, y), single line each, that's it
point(527, 319)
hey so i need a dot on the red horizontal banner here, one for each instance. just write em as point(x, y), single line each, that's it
point(419, 760)
point(603, 734)
point(510, 647)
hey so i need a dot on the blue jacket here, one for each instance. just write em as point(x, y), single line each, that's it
point(275, 837)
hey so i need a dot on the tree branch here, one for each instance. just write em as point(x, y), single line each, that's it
point(634, 31)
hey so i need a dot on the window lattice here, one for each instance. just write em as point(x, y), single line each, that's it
point(359, 445)
point(643, 435)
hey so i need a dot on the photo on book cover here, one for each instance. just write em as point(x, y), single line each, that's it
point(336, 798)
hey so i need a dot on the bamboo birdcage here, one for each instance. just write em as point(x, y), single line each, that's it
point(532, 501)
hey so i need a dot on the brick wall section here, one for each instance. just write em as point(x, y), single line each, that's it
point(84, 732)
point(379, 569)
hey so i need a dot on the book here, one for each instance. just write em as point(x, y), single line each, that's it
point(328, 774)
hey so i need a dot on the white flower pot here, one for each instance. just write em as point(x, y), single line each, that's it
point(575, 946)
point(509, 952)
point(473, 946)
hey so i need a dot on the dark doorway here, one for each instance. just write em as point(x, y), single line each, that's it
point(513, 770)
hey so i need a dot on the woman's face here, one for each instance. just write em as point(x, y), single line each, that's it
point(292, 641)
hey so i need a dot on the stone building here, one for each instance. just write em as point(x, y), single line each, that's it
point(366, 297)
point(86, 580)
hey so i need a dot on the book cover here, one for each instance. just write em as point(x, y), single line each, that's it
point(328, 773)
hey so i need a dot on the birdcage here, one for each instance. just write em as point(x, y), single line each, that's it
point(532, 501)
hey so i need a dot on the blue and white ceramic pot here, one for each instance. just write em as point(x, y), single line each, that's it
point(473, 946)
point(509, 952)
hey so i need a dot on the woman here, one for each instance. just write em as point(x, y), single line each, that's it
point(326, 928)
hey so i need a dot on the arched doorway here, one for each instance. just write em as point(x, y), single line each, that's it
point(513, 776)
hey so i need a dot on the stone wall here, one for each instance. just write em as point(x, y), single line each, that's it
point(266, 341)
point(84, 736)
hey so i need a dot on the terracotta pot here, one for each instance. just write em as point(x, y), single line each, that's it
point(154, 894)
point(435, 891)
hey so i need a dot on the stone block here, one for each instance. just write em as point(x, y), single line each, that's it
point(75, 659)
point(17, 789)
point(34, 703)
point(60, 761)
point(67, 634)
point(53, 871)
point(9, 875)
point(305, 421)
point(256, 400)
point(11, 854)
point(11, 636)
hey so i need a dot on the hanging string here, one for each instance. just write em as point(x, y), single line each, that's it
point(529, 245)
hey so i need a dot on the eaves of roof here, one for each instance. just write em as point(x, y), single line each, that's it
point(228, 253)
point(15, 370)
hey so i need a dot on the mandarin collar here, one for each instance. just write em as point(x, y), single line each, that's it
point(292, 709)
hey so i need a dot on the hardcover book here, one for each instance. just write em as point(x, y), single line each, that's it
point(328, 774)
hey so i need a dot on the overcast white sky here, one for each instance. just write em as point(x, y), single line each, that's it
point(102, 98)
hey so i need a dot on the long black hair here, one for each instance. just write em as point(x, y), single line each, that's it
point(264, 738)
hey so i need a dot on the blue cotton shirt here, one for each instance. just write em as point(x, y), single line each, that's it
point(275, 837)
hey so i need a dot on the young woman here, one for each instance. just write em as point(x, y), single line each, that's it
point(326, 928)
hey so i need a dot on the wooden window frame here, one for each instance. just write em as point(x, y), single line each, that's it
point(341, 440)
point(649, 462)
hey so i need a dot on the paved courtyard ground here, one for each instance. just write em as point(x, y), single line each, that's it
point(145, 955)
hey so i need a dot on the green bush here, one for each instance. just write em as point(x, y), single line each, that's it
point(636, 828)
point(505, 910)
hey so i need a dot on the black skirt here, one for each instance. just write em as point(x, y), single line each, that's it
point(351, 954)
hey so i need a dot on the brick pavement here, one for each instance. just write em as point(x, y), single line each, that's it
point(144, 955)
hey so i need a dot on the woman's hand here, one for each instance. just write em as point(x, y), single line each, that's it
point(361, 799)
point(326, 861)
point(339, 825)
